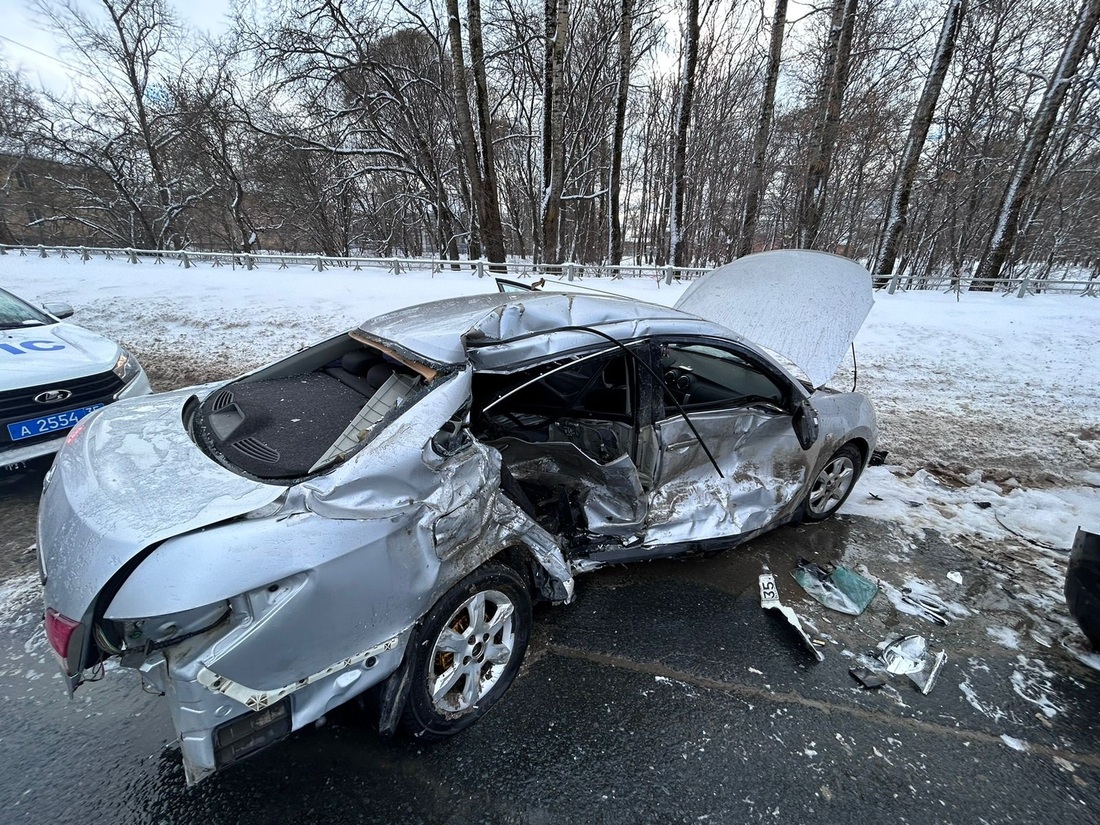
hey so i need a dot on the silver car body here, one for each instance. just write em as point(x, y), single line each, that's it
point(230, 592)
point(51, 374)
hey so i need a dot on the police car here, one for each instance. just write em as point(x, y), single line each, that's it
point(53, 374)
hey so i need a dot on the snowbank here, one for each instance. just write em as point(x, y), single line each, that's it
point(988, 400)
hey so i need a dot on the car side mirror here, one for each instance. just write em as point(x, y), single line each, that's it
point(806, 424)
point(58, 309)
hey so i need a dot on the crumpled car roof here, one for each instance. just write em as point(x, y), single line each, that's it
point(480, 328)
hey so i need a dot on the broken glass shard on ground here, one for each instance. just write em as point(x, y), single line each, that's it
point(842, 589)
point(909, 656)
point(769, 600)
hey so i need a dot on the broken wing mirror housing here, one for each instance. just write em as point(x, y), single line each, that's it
point(806, 424)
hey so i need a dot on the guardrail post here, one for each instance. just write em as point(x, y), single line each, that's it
point(1024, 283)
point(668, 274)
point(186, 261)
point(396, 266)
point(319, 264)
point(84, 254)
point(480, 266)
point(42, 251)
point(131, 255)
point(892, 287)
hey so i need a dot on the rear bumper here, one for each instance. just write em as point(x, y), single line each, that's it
point(220, 722)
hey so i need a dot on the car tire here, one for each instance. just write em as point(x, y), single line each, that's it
point(468, 653)
point(833, 484)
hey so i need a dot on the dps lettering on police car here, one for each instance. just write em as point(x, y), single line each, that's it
point(52, 375)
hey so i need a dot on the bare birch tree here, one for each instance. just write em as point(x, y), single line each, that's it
point(898, 205)
point(755, 187)
point(999, 248)
point(680, 138)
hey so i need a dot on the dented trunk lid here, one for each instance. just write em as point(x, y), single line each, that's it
point(129, 478)
point(806, 306)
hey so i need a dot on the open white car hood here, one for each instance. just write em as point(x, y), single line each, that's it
point(807, 306)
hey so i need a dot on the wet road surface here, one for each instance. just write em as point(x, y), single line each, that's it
point(663, 694)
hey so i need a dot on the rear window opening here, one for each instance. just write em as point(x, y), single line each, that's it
point(307, 412)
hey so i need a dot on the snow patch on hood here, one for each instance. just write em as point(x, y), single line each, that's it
point(55, 352)
point(807, 306)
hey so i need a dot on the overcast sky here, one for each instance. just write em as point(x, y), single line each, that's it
point(26, 46)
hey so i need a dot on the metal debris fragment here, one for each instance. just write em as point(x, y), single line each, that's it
point(931, 607)
point(842, 589)
point(769, 600)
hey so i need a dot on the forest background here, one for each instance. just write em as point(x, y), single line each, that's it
point(957, 138)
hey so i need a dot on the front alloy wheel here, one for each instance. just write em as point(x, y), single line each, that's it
point(472, 644)
point(833, 483)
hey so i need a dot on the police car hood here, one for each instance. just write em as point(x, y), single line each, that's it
point(35, 355)
point(805, 305)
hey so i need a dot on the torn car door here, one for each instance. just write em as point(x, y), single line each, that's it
point(743, 415)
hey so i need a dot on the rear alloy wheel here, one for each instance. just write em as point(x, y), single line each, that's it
point(472, 645)
point(833, 483)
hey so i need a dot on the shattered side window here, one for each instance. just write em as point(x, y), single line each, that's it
point(589, 386)
point(702, 376)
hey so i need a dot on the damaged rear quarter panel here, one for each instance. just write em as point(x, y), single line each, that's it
point(379, 540)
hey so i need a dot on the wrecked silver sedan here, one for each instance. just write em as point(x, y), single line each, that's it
point(378, 511)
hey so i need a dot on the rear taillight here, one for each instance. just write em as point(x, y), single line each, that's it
point(59, 632)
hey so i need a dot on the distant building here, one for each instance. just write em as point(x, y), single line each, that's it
point(35, 194)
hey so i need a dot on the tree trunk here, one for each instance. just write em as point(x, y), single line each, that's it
point(553, 147)
point(755, 193)
point(464, 122)
point(615, 236)
point(492, 232)
point(827, 122)
point(683, 120)
point(898, 208)
point(1001, 241)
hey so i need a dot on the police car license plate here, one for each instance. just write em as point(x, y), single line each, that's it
point(48, 423)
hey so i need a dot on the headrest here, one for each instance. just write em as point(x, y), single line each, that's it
point(358, 361)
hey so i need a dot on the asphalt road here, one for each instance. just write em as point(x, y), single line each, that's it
point(663, 694)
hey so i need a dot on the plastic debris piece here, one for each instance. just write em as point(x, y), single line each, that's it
point(878, 458)
point(925, 679)
point(866, 679)
point(955, 576)
point(904, 655)
point(842, 589)
point(909, 656)
point(769, 600)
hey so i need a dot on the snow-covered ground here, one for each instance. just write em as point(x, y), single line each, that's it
point(989, 405)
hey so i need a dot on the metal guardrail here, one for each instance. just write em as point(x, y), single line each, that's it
point(1021, 286)
point(319, 263)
